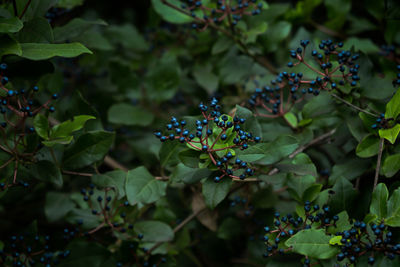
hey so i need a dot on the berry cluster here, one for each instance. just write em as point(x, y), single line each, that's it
point(54, 13)
point(334, 68)
point(17, 107)
point(238, 201)
point(381, 122)
point(287, 226)
point(233, 11)
point(217, 136)
point(27, 250)
point(367, 239)
point(108, 208)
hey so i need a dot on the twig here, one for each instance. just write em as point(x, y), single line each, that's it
point(326, 30)
point(354, 106)
point(259, 59)
point(114, 164)
point(178, 227)
point(378, 162)
point(304, 147)
point(78, 173)
point(25, 9)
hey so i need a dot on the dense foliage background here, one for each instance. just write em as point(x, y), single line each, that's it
point(96, 168)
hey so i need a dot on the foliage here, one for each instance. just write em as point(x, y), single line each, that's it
point(199, 133)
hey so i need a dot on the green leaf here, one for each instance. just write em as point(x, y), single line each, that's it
point(393, 205)
point(336, 240)
point(128, 36)
point(342, 224)
point(188, 175)
point(312, 243)
point(66, 128)
point(252, 34)
point(205, 78)
point(37, 51)
point(364, 45)
point(222, 44)
point(113, 179)
point(69, 4)
point(57, 206)
point(214, 193)
point(88, 148)
point(379, 201)
point(368, 146)
point(142, 187)
point(37, 30)
point(60, 141)
point(301, 164)
point(270, 153)
point(393, 214)
point(126, 114)
point(10, 25)
point(391, 165)
point(390, 134)
point(169, 153)
point(350, 169)
point(154, 231)
point(47, 171)
point(8, 46)
point(74, 29)
point(297, 186)
point(41, 125)
point(343, 195)
point(191, 158)
point(393, 106)
point(169, 14)
point(291, 119)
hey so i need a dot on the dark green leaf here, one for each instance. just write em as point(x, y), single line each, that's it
point(57, 206)
point(37, 51)
point(142, 187)
point(126, 114)
point(154, 231)
point(379, 201)
point(312, 243)
point(88, 148)
point(214, 193)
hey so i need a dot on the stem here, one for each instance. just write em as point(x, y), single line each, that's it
point(259, 59)
point(178, 227)
point(354, 106)
point(25, 8)
point(78, 173)
point(378, 162)
point(305, 146)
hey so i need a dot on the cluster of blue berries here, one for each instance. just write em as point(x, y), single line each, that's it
point(216, 135)
point(335, 68)
point(17, 107)
point(111, 211)
point(231, 10)
point(287, 226)
point(367, 239)
point(26, 250)
point(242, 202)
point(381, 122)
point(55, 12)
